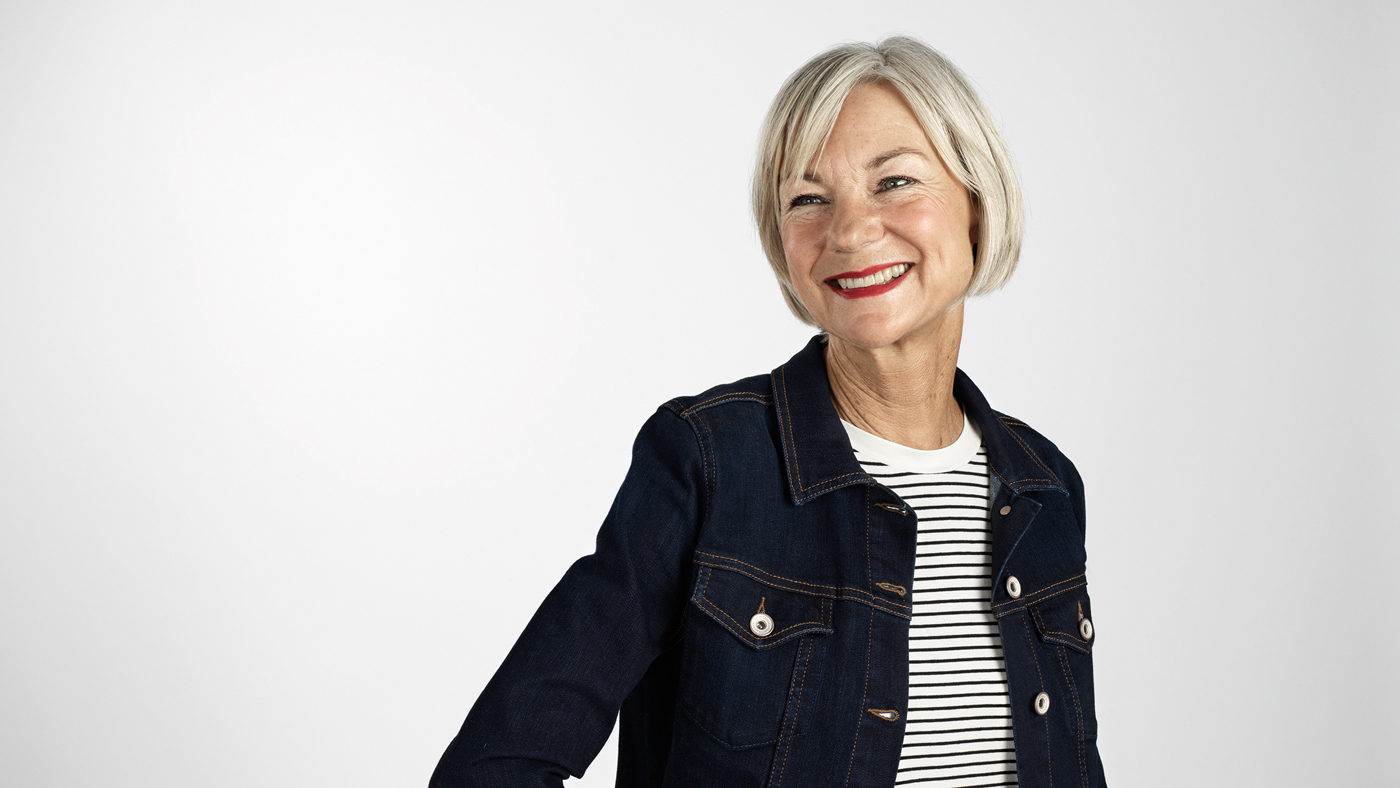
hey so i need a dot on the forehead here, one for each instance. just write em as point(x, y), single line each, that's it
point(875, 110)
point(874, 120)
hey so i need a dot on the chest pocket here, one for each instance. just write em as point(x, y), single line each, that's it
point(1066, 627)
point(753, 658)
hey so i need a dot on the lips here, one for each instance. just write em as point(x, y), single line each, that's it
point(871, 281)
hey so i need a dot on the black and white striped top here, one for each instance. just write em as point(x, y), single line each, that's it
point(958, 726)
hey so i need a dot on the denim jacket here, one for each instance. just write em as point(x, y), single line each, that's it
point(748, 499)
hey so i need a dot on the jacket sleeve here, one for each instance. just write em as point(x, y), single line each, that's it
point(552, 703)
point(1075, 485)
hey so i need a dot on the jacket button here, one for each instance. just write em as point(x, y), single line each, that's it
point(1013, 587)
point(761, 625)
point(1005, 510)
point(1086, 629)
point(1042, 704)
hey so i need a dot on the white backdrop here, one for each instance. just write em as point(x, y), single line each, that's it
point(325, 329)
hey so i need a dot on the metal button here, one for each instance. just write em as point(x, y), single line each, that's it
point(761, 625)
point(1013, 587)
point(1042, 704)
point(1086, 629)
point(1005, 510)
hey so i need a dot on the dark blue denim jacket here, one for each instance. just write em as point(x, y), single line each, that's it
point(747, 498)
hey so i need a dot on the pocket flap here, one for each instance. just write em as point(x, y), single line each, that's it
point(738, 603)
point(1064, 619)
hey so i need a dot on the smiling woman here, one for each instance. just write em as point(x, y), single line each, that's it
point(852, 571)
point(879, 215)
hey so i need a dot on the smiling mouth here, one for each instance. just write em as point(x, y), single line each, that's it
point(882, 277)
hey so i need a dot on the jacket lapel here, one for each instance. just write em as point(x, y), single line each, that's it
point(818, 458)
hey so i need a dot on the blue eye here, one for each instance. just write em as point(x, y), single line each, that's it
point(894, 182)
point(804, 199)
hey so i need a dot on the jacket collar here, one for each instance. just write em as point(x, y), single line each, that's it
point(817, 454)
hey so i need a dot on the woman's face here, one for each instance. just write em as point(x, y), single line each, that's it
point(878, 234)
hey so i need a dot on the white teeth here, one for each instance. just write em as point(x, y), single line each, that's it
point(877, 278)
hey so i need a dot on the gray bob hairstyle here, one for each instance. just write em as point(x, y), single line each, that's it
point(951, 114)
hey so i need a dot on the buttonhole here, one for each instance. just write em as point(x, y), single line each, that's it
point(894, 589)
point(888, 715)
point(891, 507)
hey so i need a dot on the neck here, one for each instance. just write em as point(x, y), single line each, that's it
point(902, 392)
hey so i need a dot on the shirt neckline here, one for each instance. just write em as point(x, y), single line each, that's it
point(904, 458)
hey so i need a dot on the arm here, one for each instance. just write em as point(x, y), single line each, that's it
point(1075, 485)
point(552, 703)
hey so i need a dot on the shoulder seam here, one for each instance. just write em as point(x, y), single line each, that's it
point(707, 461)
point(747, 396)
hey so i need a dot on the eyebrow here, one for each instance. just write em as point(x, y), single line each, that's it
point(881, 159)
point(894, 154)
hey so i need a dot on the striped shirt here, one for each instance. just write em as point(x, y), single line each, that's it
point(958, 726)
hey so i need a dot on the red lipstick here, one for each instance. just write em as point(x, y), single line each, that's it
point(873, 290)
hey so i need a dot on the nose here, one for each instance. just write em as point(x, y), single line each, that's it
point(855, 224)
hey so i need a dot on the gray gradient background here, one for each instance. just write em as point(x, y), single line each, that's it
point(325, 329)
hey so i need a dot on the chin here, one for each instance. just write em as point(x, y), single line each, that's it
point(876, 331)
point(868, 334)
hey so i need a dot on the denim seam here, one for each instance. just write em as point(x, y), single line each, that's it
point(1074, 635)
point(1004, 480)
point(1069, 639)
point(790, 450)
point(864, 596)
point(1036, 598)
point(708, 462)
point(1078, 716)
point(709, 606)
point(690, 715)
point(829, 484)
point(1022, 485)
point(1074, 695)
point(869, 641)
point(1006, 422)
point(790, 455)
point(738, 629)
point(1036, 601)
point(747, 396)
point(792, 726)
point(1049, 769)
point(685, 705)
point(869, 573)
point(856, 595)
point(779, 577)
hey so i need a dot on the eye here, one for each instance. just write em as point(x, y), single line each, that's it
point(894, 182)
point(804, 199)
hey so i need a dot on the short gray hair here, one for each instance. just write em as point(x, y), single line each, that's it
point(959, 126)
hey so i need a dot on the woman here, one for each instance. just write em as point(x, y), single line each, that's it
point(850, 572)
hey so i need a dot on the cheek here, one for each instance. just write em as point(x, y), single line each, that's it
point(797, 250)
point(946, 232)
